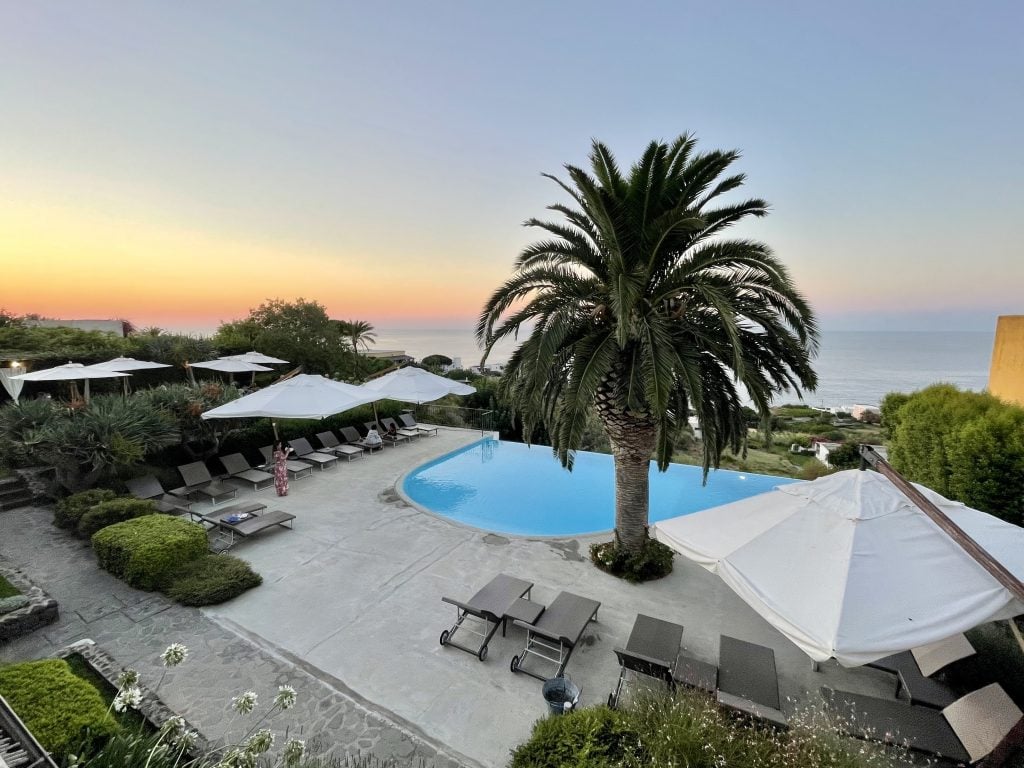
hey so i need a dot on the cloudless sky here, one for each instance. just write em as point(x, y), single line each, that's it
point(177, 163)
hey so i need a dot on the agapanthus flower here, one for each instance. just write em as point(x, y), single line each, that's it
point(285, 698)
point(293, 751)
point(174, 655)
point(173, 726)
point(128, 678)
point(129, 697)
point(187, 740)
point(260, 742)
point(245, 703)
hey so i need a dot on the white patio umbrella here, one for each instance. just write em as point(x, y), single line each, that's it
point(70, 372)
point(127, 364)
point(847, 567)
point(230, 366)
point(255, 357)
point(415, 385)
point(304, 396)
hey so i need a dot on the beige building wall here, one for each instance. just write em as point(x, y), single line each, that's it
point(1006, 377)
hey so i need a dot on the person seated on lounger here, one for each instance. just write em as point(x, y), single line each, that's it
point(392, 430)
point(373, 438)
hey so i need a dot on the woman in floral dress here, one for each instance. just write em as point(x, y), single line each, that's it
point(281, 469)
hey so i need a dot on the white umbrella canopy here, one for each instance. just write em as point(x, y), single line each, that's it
point(847, 567)
point(301, 397)
point(127, 364)
point(230, 366)
point(255, 357)
point(415, 385)
point(70, 372)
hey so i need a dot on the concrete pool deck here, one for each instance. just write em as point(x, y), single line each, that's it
point(353, 594)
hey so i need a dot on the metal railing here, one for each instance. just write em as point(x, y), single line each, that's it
point(455, 416)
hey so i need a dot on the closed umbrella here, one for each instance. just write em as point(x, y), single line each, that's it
point(848, 568)
point(70, 372)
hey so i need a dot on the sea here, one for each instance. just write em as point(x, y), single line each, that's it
point(854, 367)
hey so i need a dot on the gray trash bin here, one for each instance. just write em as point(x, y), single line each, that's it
point(561, 695)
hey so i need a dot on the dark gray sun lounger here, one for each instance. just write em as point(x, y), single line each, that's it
point(504, 597)
point(236, 466)
point(652, 651)
point(966, 731)
point(410, 433)
point(304, 452)
point(912, 684)
point(409, 422)
point(296, 469)
point(149, 488)
point(259, 521)
point(331, 444)
point(198, 481)
point(352, 437)
point(747, 680)
point(393, 439)
point(557, 631)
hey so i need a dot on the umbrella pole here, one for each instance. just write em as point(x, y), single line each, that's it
point(274, 425)
point(86, 390)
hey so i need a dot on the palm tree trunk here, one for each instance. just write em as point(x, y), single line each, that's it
point(632, 481)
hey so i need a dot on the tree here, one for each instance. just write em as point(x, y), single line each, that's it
point(359, 334)
point(298, 331)
point(638, 309)
point(846, 456)
point(435, 361)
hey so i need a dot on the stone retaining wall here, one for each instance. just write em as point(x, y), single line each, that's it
point(40, 611)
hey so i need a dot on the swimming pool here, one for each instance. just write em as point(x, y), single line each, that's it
point(513, 488)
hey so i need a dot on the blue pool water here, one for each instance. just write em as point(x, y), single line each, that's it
point(513, 488)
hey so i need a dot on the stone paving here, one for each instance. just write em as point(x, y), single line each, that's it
point(134, 627)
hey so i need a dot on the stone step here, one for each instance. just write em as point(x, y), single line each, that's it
point(14, 501)
point(13, 481)
point(12, 490)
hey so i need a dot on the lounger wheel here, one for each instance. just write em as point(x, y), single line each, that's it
point(444, 637)
point(482, 653)
point(514, 665)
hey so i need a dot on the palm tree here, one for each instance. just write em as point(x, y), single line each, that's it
point(358, 334)
point(636, 307)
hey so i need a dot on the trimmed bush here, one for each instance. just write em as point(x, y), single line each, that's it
point(652, 562)
point(62, 710)
point(70, 510)
point(7, 589)
point(212, 579)
point(114, 511)
point(12, 603)
point(146, 552)
point(595, 737)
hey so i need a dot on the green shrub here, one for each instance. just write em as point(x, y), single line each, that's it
point(596, 737)
point(145, 552)
point(7, 589)
point(71, 509)
point(114, 511)
point(58, 707)
point(653, 561)
point(12, 603)
point(212, 579)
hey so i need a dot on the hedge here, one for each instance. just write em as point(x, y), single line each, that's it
point(61, 710)
point(212, 579)
point(70, 510)
point(114, 511)
point(146, 552)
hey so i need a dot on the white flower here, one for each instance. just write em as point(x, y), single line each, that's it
point(174, 655)
point(245, 703)
point(187, 740)
point(238, 758)
point(129, 697)
point(127, 679)
point(173, 726)
point(260, 742)
point(293, 751)
point(285, 698)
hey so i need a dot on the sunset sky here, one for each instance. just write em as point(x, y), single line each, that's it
point(178, 163)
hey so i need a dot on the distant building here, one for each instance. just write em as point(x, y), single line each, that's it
point(1006, 376)
point(394, 355)
point(871, 413)
point(456, 365)
point(118, 327)
point(490, 368)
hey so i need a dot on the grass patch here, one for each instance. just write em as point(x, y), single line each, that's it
point(130, 720)
point(7, 589)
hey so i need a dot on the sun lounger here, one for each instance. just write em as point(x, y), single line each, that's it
point(504, 597)
point(331, 444)
point(149, 487)
point(352, 437)
point(966, 731)
point(913, 683)
point(244, 508)
point(237, 467)
point(558, 630)
point(296, 469)
point(652, 651)
point(409, 422)
point(393, 439)
point(304, 452)
point(388, 423)
point(747, 680)
point(256, 522)
point(198, 481)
